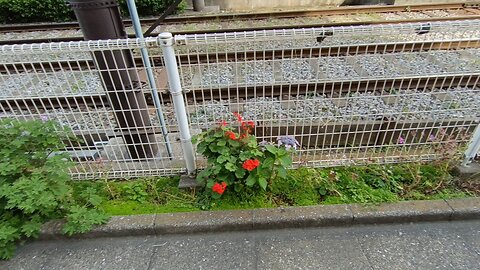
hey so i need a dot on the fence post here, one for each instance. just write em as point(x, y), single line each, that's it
point(132, 8)
point(166, 41)
point(473, 147)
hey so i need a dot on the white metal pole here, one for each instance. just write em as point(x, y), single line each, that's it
point(166, 41)
point(132, 8)
point(473, 147)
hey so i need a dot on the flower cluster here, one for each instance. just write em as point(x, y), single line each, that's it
point(288, 142)
point(219, 187)
point(235, 159)
point(231, 135)
point(251, 164)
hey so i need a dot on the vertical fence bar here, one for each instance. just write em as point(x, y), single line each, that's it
point(473, 147)
point(132, 9)
point(166, 41)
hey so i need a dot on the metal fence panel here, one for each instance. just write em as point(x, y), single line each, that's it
point(349, 95)
point(62, 82)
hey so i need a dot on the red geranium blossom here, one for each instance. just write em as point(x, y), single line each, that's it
point(251, 164)
point(231, 135)
point(223, 123)
point(247, 125)
point(239, 117)
point(219, 188)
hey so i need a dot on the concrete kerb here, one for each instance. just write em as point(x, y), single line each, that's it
point(278, 218)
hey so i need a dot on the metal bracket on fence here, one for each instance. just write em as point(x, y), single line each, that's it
point(170, 9)
point(166, 41)
point(473, 148)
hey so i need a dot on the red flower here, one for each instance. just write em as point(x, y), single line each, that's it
point(223, 123)
point(219, 188)
point(231, 135)
point(247, 125)
point(239, 117)
point(251, 164)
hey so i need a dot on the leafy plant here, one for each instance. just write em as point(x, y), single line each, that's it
point(28, 11)
point(237, 162)
point(135, 191)
point(35, 185)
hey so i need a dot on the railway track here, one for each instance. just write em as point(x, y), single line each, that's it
point(463, 12)
point(469, 8)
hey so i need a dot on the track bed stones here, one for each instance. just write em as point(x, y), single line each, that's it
point(363, 106)
point(336, 68)
point(417, 64)
point(15, 85)
point(210, 112)
point(265, 109)
point(417, 105)
point(257, 72)
point(378, 65)
point(317, 108)
point(59, 84)
point(295, 70)
point(459, 61)
point(217, 74)
point(45, 57)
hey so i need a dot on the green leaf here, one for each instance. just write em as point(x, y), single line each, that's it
point(231, 167)
point(250, 180)
point(32, 227)
point(240, 173)
point(282, 172)
point(268, 163)
point(81, 219)
point(222, 143)
point(234, 143)
point(263, 183)
point(245, 155)
point(286, 161)
point(272, 149)
point(222, 159)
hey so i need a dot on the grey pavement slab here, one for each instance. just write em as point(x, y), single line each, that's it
point(329, 248)
point(428, 245)
point(72, 254)
point(419, 246)
point(209, 251)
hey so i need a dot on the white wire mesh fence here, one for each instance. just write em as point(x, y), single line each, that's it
point(98, 89)
point(349, 95)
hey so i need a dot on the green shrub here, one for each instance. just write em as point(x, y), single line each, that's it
point(149, 7)
point(35, 186)
point(28, 11)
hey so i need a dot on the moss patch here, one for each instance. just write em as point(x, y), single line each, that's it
point(303, 186)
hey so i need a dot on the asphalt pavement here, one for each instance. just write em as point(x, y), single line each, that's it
point(432, 245)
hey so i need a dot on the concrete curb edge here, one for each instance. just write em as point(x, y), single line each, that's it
point(277, 218)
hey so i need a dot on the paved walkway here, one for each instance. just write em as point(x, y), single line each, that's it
point(438, 245)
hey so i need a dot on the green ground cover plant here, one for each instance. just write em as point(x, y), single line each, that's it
point(370, 184)
point(35, 186)
point(243, 173)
